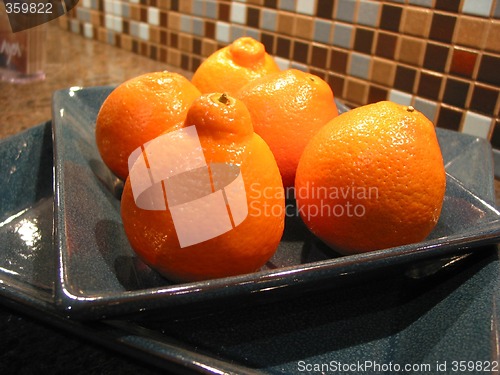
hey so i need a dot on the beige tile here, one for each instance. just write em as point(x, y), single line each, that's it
point(493, 38)
point(304, 27)
point(174, 21)
point(383, 71)
point(173, 57)
point(185, 6)
point(471, 31)
point(208, 47)
point(416, 22)
point(126, 42)
point(285, 23)
point(411, 50)
point(185, 42)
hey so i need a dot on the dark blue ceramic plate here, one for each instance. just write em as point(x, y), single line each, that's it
point(99, 275)
point(434, 322)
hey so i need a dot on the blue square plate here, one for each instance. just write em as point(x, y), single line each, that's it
point(434, 322)
point(99, 274)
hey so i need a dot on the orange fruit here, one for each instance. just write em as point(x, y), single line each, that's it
point(372, 178)
point(139, 110)
point(226, 137)
point(287, 109)
point(231, 67)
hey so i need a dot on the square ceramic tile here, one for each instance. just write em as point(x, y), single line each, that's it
point(222, 31)
point(346, 9)
point(400, 97)
point(305, 7)
point(359, 65)
point(288, 5)
point(153, 16)
point(186, 23)
point(368, 13)
point(477, 125)
point(427, 107)
point(238, 13)
point(210, 9)
point(88, 31)
point(480, 8)
point(342, 35)
point(269, 20)
point(322, 31)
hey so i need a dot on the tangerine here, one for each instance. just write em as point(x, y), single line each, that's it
point(372, 178)
point(287, 109)
point(139, 110)
point(231, 67)
point(226, 137)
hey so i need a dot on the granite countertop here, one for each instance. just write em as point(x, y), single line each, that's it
point(72, 60)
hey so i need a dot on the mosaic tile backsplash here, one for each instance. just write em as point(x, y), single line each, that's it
point(441, 56)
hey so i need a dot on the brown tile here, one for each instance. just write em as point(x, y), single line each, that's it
point(300, 52)
point(484, 99)
point(223, 11)
point(135, 12)
point(126, 42)
point(253, 17)
point(390, 17)
point(495, 136)
point(337, 84)
point(493, 39)
point(489, 69)
point(386, 45)
point(163, 55)
point(268, 41)
point(285, 24)
point(208, 47)
point(174, 5)
point(185, 62)
point(174, 57)
point(383, 72)
point(429, 85)
point(186, 42)
point(174, 40)
point(377, 94)
point(471, 31)
point(405, 78)
point(164, 4)
point(449, 118)
point(442, 27)
point(324, 9)
point(448, 5)
point(303, 27)
point(174, 21)
point(416, 22)
point(185, 7)
point(356, 91)
point(154, 34)
point(163, 19)
point(338, 61)
point(363, 40)
point(197, 46)
point(411, 50)
point(153, 52)
point(319, 56)
point(209, 29)
point(144, 14)
point(283, 47)
point(163, 37)
point(320, 73)
point(463, 62)
point(271, 4)
point(455, 92)
point(436, 57)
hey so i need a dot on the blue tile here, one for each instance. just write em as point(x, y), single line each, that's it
point(288, 5)
point(368, 13)
point(210, 9)
point(268, 20)
point(477, 7)
point(342, 35)
point(346, 10)
point(198, 27)
point(422, 3)
point(359, 65)
point(322, 31)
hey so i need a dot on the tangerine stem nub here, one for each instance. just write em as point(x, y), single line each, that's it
point(224, 98)
point(410, 108)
